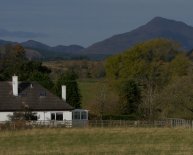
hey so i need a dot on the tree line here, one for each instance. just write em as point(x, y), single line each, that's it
point(153, 80)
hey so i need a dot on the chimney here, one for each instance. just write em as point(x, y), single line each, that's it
point(64, 92)
point(15, 85)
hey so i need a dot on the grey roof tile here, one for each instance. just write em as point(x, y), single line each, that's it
point(37, 98)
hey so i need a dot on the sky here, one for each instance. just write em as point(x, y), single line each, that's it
point(83, 22)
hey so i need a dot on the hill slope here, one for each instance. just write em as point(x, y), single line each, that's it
point(38, 50)
point(157, 28)
point(49, 52)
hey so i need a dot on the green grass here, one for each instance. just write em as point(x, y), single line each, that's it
point(115, 141)
point(88, 90)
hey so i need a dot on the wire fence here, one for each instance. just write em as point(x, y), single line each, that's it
point(170, 123)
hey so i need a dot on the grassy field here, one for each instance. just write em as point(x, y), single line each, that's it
point(88, 90)
point(115, 141)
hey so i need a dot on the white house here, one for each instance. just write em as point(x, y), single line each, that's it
point(15, 96)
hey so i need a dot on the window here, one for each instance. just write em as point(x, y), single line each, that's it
point(80, 114)
point(42, 93)
point(59, 116)
point(76, 115)
point(23, 94)
point(34, 116)
point(53, 116)
point(83, 115)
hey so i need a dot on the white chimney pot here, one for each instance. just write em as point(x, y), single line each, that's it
point(15, 85)
point(64, 92)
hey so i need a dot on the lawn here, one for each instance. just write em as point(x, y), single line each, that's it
point(114, 141)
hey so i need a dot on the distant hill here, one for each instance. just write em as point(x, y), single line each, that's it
point(70, 48)
point(157, 28)
point(32, 54)
point(3, 42)
point(38, 50)
point(56, 52)
point(35, 45)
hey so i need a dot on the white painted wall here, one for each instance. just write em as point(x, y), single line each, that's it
point(67, 115)
point(42, 115)
point(4, 116)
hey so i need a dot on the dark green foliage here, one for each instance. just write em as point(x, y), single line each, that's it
point(13, 61)
point(73, 92)
point(130, 97)
point(43, 79)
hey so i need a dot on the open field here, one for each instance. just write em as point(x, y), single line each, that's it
point(83, 68)
point(115, 141)
point(88, 90)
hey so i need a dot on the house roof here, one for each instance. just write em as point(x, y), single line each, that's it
point(31, 95)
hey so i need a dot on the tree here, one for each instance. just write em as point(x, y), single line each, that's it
point(13, 61)
point(43, 79)
point(138, 61)
point(150, 64)
point(73, 92)
point(175, 100)
point(25, 115)
point(180, 66)
point(130, 97)
point(101, 99)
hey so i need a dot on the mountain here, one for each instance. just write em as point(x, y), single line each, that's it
point(38, 50)
point(157, 28)
point(3, 42)
point(32, 54)
point(70, 48)
point(35, 45)
point(60, 48)
point(56, 52)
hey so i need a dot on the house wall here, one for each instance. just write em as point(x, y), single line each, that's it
point(4, 116)
point(46, 115)
point(42, 115)
point(67, 115)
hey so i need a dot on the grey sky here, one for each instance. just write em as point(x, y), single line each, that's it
point(85, 22)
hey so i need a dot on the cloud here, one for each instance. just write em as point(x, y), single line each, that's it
point(20, 34)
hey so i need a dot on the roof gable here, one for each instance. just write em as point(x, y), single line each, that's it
point(32, 95)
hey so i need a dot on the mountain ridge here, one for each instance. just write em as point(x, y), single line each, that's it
point(158, 27)
point(38, 50)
